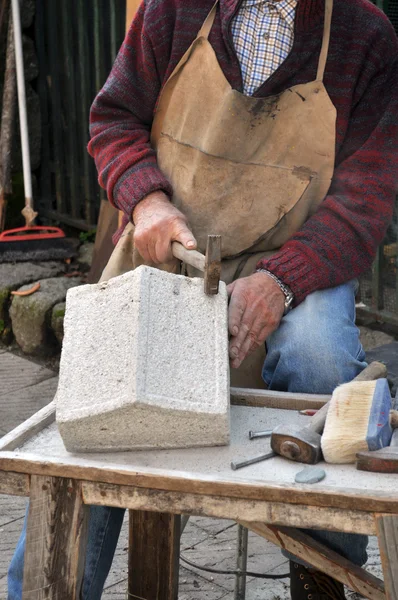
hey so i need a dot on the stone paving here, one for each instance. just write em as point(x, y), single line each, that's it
point(26, 387)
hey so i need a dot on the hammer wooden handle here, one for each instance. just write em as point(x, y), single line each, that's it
point(210, 264)
point(191, 257)
point(375, 370)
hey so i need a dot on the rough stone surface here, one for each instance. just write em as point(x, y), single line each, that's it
point(144, 364)
point(371, 338)
point(57, 321)
point(30, 315)
point(85, 257)
point(310, 475)
point(13, 276)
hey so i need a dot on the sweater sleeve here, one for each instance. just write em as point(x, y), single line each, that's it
point(120, 123)
point(339, 242)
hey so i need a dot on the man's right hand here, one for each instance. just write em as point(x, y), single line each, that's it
point(157, 224)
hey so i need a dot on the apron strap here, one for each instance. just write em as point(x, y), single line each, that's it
point(209, 22)
point(326, 39)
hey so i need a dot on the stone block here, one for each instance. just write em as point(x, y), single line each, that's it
point(144, 364)
point(31, 315)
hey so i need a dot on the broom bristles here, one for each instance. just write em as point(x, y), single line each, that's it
point(347, 422)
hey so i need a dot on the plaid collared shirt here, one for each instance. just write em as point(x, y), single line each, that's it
point(263, 34)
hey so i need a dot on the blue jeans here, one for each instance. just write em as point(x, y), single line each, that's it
point(315, 348)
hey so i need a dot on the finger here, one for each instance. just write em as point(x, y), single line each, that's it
point(151, 250)
point(249, 320)
point(142, 249)
point(236, 310)
point(252, 339)
point(185, 236)
point(230, 288)
point(163, 250)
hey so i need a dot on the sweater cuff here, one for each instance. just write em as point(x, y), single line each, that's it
point(294, 270)
point(135, 185)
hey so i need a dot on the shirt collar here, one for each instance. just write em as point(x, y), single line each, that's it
point(286, 8)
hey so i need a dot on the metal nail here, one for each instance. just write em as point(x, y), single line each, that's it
point(251, 461)
point(259, 434)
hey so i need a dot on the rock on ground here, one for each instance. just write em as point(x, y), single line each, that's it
point(57, 321)
point(371, 338)
point(13, 276)
point(30, 315)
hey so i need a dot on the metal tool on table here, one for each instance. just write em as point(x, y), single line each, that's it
point(304, 444)
point(210, 264)
point(380, 461)
point(386, 459)
point(254, 435)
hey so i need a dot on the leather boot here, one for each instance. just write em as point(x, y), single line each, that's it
point(309, 584)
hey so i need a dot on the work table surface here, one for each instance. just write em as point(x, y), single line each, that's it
point(207, 470)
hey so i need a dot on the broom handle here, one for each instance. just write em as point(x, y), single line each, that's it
point(16, 17)
point(375, 370)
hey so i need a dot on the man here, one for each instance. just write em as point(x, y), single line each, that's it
point(274, 124)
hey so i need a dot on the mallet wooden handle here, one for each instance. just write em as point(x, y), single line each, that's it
point(375, 370)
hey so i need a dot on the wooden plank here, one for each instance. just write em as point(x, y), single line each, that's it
point(271, 399)
point(154, 549)
point(18, 436)
point(387, 533)
point(55, 540)
point(322, 558)
point(368, 500)
point(14, 484)
point(298, 515)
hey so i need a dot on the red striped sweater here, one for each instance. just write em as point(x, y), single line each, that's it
point(339, 242)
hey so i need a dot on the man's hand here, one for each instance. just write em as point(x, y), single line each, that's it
point(157, 224)
point(256, 308)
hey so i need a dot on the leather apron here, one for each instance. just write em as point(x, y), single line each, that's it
point(252, 170)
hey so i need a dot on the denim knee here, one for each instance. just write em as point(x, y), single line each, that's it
point(317, 345)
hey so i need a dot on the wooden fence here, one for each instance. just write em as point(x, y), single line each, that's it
point(76, 42)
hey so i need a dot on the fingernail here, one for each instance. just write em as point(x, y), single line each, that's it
point(235, 330)
point(234, 351)
point(191, 244)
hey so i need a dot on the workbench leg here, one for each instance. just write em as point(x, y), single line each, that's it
point(241, 562)
point(154, 550)
point(387, 533)
point(56, 539)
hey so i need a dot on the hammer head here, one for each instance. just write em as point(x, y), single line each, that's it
point(300, 445)
point(212, 265)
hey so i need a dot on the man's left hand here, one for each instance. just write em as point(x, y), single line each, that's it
point(256, 308)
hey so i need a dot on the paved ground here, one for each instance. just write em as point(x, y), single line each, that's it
point(25, 388)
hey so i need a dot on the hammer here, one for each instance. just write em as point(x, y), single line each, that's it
point(210, 264)
point(304, 445)
point(380, 461)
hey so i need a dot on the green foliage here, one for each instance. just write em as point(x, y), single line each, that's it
point(88, 236)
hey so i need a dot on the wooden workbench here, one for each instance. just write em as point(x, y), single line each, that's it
point(159, 486)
